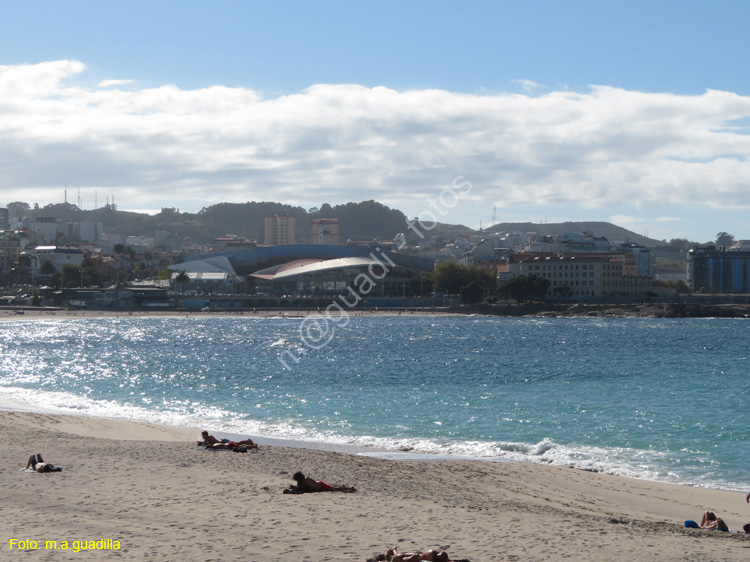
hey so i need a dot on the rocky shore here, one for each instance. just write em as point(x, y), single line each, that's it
point(641, 310)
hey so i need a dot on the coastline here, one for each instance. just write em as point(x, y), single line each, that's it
point(150, 488)
point(534, 309)
point(603, 310)
point(20, 314)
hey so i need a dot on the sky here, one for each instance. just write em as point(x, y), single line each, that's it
point(635, 113)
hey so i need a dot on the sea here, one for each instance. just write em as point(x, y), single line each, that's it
point(658, 399)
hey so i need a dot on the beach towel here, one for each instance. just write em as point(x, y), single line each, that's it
point(234, 449)
point(54, 469)
point(382, 557)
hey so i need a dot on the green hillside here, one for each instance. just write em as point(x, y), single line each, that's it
point(366, 220)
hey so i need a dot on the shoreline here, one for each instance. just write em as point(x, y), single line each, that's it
point(150, 488)
point(386, 451)
point(539, 310)
point(21, 314)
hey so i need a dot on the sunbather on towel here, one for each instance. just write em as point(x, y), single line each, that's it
point(307, 484)
point(431, 556)
point(214, 443)
point(37, 463)
point(710, 521)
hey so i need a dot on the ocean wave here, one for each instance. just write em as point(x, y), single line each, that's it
point(633, 463)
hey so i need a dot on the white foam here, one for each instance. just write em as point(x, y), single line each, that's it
point(649, 465)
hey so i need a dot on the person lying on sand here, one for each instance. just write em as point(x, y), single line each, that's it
point(212, 442)
point(431, 556)
point(306, 484)
point(37, 463)
point(709, 521)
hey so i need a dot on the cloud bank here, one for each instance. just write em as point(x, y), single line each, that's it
point(165, 146)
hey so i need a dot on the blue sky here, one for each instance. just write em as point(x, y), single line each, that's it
point(636, 112)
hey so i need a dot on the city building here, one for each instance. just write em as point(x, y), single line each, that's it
point(44, 229)
point(719, 270)
point(280, 230)
point(56, 255)
point(314, 269)
point(4, 219)
point(230, 242)
point(213, 274)
point(129, 298)
point(10, 248)
point(91, 231)
point(325, 231)
point(586, 276)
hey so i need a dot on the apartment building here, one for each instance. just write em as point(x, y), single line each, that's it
point(719, 270)
point(587, 276)
point(280, 230)
point(325, 231)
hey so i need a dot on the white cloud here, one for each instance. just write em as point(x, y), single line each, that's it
point(605, 148)
point(111, 83)
point(528, 85)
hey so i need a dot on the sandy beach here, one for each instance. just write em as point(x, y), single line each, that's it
point(151, 489)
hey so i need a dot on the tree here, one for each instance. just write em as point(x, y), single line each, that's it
point(680, 286)
point(449, 277)
point(562, 291)
point(525, 288)
point(70, 276)
point(471, 292)
point(17, 208)
point(540, 287)
point(425, 283)
point(47, 269)
point(89, 274)
point(140, 270)
point(681, 245)
point(724, 239)
point(470, 282)
point(182, 277)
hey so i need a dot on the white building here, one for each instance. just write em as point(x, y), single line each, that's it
point(145, 243)
point(44, 229)
point(214, 275)
point(109, 241)
point(587, 276)
point(91, 231)
point(56, 255)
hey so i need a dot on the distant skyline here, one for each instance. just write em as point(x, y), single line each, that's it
point(636, 114)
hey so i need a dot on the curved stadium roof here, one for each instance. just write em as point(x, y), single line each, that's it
point(307, 267)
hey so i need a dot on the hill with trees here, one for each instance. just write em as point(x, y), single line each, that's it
point(607, 230)
point(366, 220)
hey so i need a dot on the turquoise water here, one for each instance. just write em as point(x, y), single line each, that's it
point(651, 398)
